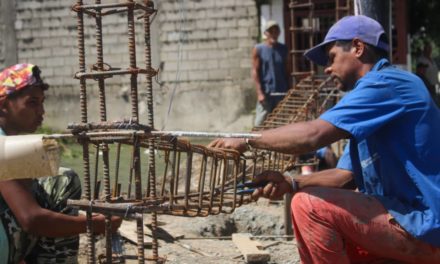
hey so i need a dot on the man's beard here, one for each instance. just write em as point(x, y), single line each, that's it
point(339, 84)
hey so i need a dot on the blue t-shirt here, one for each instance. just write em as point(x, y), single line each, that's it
point(273, 77)
point(395, 146)
point(344, 161)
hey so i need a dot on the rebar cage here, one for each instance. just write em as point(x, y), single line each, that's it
point(195, 180)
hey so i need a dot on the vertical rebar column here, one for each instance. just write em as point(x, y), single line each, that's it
point(85, 145)
point(337, 9)
point(151, 162)
point(103, 117)
point(132, 55)
point(135, 118)
point(293, 41)
point(311, 21)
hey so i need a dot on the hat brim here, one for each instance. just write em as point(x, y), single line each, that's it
point(272, 26)
point(318, 54)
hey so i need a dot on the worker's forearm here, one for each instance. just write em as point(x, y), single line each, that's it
point(298, 138)
point(52, 224)
point(257, 82)
point(336, 178)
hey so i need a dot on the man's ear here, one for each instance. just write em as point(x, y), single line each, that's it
point(358, 47)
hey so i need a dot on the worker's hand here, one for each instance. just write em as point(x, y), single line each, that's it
point(261, 97)
point(99, 223)
point(277, 186)
point(239, 144)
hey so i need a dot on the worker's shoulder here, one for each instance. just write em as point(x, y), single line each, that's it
point(282, 45)
point(260, 45)
point(390, 75)
point(394, 83)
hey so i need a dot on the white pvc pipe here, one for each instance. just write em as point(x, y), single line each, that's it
point(28, 156)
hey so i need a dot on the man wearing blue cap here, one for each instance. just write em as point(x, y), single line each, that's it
point(393, 126)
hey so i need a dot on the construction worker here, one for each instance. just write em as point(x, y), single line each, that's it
point(392, 126)
point(35, 224)
point(269, 72)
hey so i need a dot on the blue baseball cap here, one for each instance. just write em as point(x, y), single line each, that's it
point(347, 28)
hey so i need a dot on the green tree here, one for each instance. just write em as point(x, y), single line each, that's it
point(424, 23)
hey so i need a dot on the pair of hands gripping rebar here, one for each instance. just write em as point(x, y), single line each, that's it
point(250, 187)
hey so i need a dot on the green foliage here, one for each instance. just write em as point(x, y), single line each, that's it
point(45, 130)
point(68, 146)
point(424, 24)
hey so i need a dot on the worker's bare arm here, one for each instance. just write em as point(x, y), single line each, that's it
point(296, 138)
point(299, 137)
point(256, 75)
point(278, 184)
point(42, 222)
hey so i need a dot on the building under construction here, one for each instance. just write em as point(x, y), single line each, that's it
point(216, 185)
point(203, 51)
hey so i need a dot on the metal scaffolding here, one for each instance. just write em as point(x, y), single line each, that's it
point(309, 21)
point(301, 31)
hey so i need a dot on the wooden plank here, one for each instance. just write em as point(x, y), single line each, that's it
point(128, 231)
point(252, 250)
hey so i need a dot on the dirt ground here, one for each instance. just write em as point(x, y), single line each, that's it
point(200, 241)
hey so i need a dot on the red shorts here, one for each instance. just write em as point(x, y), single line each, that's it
point(342, 226)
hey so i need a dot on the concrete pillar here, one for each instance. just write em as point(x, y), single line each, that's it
point(8, 50)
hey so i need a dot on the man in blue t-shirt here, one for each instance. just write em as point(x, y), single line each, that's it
point(269, 72)
point(393, 155)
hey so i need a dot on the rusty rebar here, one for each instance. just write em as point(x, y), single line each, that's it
point(96, 175)
point(107, 73)
point(88, 195)
point(132, 57)
point(116, 191)
point(138, 195)
point(187, 189)
point(121, 125)
point(198, 196)
point(135, 116)
point(151, 191)
point(103, 117)
point(127, 131)
point(85, 146)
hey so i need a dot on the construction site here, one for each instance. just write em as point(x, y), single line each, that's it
point(181, 201)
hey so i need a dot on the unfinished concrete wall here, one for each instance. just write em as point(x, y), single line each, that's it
point(203, 46)
point(46, 34)
point(206, 54)
point(8, 42)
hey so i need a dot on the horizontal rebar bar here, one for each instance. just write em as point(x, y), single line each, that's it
point(112, 5)
point(124, 209)
point(131, 133)
point(206, 134)
point(130, 209)
point(109, 73)
point(127, 125)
